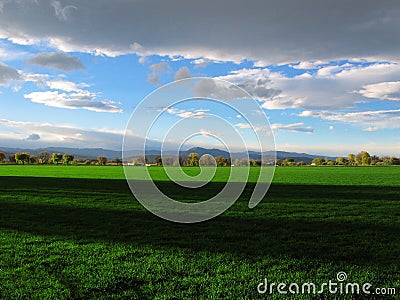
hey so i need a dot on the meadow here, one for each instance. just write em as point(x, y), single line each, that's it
point(77, 232)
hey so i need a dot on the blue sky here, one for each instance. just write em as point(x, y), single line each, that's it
point(328, 82)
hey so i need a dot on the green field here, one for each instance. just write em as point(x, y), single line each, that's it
point(77, 232)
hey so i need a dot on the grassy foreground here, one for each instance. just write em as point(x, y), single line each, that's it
point(77, 232)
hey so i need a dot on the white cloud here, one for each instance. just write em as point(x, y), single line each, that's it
point(66, 86)
point(197, 114)
point(265, 31)
point(296, 127)
point(82, 99)
point(308, 65)
point(243, 125)
point(382, 91)
point(370, 120)
point(60, 61)
point(8, 53)
point(337, 87)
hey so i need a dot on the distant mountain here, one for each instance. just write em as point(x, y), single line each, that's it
point(269, 155)
point(201, 151)
point(92, 153)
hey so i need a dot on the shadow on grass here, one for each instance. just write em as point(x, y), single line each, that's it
point(329, 223)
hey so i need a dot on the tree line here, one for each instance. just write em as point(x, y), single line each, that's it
point(363, 158)
point(47, 158)
point(192, 159)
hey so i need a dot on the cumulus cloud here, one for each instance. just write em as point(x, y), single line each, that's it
point(254, 82)
point(281, 31)
point(182, 73)
point(337, 87)
point(7, 74)
point(82, 99)
point(382, 91)
point(369, 120)
point(60, 61)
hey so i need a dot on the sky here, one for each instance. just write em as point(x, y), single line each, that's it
point(325, 73)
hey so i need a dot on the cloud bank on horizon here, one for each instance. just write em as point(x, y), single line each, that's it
point(326, 73)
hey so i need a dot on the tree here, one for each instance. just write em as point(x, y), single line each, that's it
point(358, 159)
point(11, 158)
point(2, 157)
point(255, 163)
point(43, 157)
point(181, 160)
point(102, 160)
point(330, 162)
point(56, 158)
point(351, 159)
point(375, 160)
point(365, 158)
point(244, 162)
point(22, 157)
point(288, 162)
point(158, 160)
point(341, 161)
point(220, 161)
point(140, 161)
point(278, 162)
point(207, 160)
point(67, 159)
point(319, 161)
point(236, 162)
point(193, 159)
point(32, 159)
point(118, 161)
point(168, 161)
point(394, 161)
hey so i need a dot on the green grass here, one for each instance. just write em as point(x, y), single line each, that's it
point(77, 232)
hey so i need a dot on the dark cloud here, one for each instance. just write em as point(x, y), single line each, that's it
point(269, 31)
point(183, 73)
point(33, 137)
point(56, 60)
point(7, 74)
